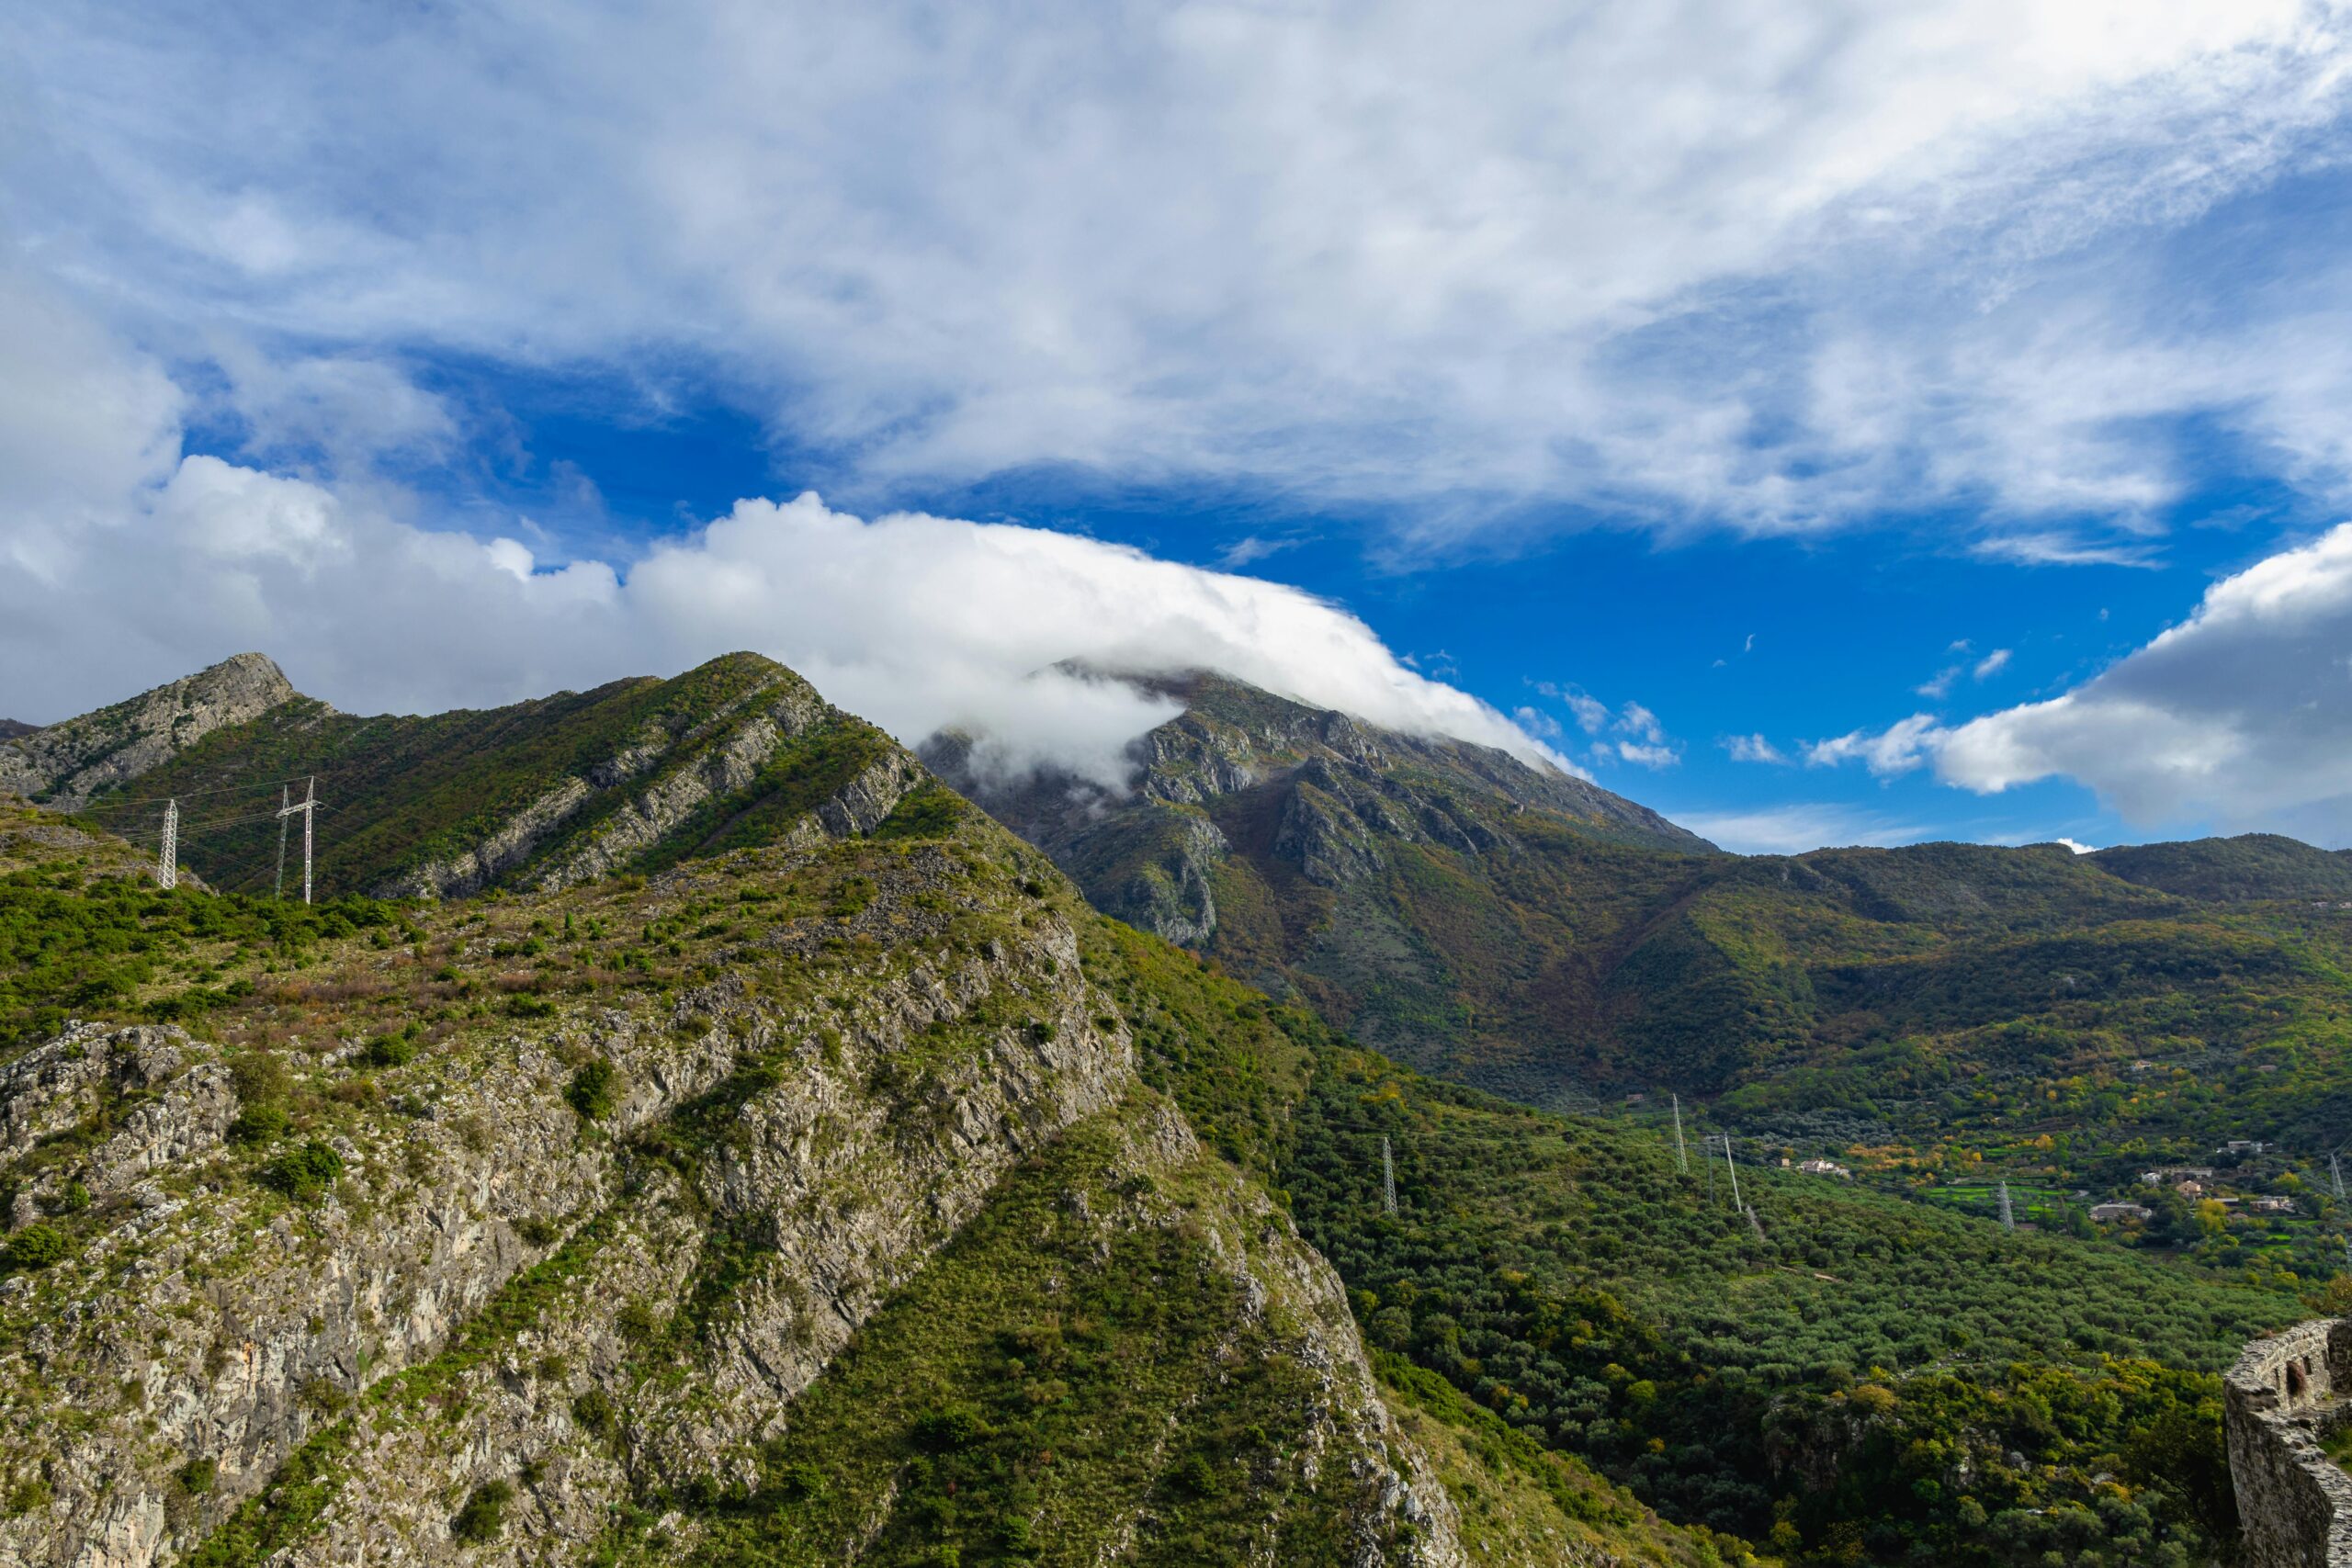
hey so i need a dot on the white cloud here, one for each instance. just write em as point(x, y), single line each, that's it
point(1992, 664)
point(2080, 849)
point(1538, 723)
point(1901, 748)
point(1767, 265)
point(1636, 720)
point(1753, 749)
point(1794, 829)
point(1648, 756)
point(2242, 713)
point(127, 576)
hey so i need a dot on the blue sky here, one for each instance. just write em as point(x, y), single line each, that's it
point(1807, 420)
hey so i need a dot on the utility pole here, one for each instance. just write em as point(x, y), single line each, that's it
point(1681, 1156)
point(285, 799)
point(307, 806)
point(167, 864)
point(1387, 1177)
point(2008, 1217)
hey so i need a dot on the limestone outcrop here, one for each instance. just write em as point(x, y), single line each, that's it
point(66, 766)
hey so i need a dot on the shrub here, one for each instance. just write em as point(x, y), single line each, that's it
point(392, 1050)
point(260, 1079)
point(1195, 1475)
point(950, 1428)
point(34, 1247)
point(484, 1516)
point(303, 1174)
point(258, 1125)
point(196, 1477)
point(590, 1092)
point(594, 1410)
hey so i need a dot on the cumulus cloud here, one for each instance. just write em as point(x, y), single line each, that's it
point(2079, 848)
point(132, 571)
point(1753, 749)
point(1648, 756)
point(1361, 251)
point(2241, 715)
point(1901, 748)
point(915, 621)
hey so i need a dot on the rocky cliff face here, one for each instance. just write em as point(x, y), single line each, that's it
point(551, 1227)
point(67, 764)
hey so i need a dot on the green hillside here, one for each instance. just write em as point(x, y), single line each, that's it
point(1920, 1008)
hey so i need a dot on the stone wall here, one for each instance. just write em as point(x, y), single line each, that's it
point(2294, 1503)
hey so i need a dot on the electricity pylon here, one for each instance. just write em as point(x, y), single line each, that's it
point(1387, 1177)
point(167, 862)
point(307, 806)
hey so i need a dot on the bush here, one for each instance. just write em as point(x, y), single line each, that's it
point(594, 1410)
point(195, 1477)
point(484, 1516)
point(303, 1174)
point(34, 1247)
point(592, 1091)
point(392, 1050)
point(950, 1428)
point(258, 1125)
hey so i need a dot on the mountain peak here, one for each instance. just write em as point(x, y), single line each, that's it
point(67, 764)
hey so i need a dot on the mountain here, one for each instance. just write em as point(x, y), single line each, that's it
point(10, 729)
point(635, 775)
point(849, 1201)
point(2251, 867)
point(1321, 856)
point(1539, 938)
point(828, 1196)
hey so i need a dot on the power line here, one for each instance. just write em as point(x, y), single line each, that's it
point(192, 793)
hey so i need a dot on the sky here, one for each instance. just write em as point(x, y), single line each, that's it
point(1836, 422)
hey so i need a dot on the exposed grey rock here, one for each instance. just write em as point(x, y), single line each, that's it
point(65, 765)
point(787, 707)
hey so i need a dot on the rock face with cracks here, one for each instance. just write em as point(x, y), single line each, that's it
point(65, 765)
